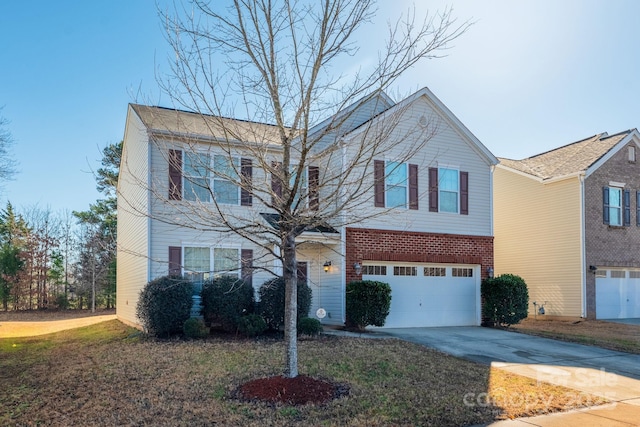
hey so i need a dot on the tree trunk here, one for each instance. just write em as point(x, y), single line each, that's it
point(291, 304)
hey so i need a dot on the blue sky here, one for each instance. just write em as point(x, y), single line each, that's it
point(528, 76)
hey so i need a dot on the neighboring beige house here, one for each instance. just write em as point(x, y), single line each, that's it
point(568, 222)
point(431, 236)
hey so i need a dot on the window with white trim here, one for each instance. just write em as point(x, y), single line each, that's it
point(631, 151)
point(225, 178)
point(197, 263)
point(618, 274)
point(634, 274)
point(302, 185)
point(462, 272)
point(448, 189)
point(396, 184)
point(404, 271)
point(615, 206)
point(226, 262)
point(374, 270)
point(435, 271)
point(196, 177)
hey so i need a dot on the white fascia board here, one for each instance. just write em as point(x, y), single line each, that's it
point(634, 136)
point(210, 139)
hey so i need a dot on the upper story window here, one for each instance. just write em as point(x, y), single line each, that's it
point(395, 184)
point(448, 191)
point(631, 152)
point(616, 206)
point(448, 188)
point(225, 178)
point(197, 176)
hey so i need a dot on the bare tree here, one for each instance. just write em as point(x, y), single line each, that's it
point(7, 163)
point(273, 62)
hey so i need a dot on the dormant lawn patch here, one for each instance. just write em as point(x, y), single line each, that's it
point(109, 374)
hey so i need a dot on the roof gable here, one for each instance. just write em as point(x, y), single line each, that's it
point(570, 159)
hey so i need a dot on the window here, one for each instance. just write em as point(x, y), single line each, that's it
point(634, 274)
point(601, 273)
point(226, 262)
point(616, 206)
point(631, 151)
point(197, 263)
point(435, 271)
point(302, 185)
point(618, 274)
point(405, 271)
point(225, 177)
point(462, 272)
point(448, 190)
point(374, 270)
point(396, 184)
point(196, 177)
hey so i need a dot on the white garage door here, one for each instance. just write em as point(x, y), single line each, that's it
point(617, 294)
point(429, 294)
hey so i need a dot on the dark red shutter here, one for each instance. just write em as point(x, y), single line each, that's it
point(175, 175)
point(246, 175)
point(378, 186)
point(627, 208)
point(605, 205)
point(175, 259)
point(314, 182)
point(464, 193)
point(433, 189)
point(276, 183)
point(246, 256)
point(413, 186)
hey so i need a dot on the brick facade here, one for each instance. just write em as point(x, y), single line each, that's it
point(365, 244)
point(610, 246)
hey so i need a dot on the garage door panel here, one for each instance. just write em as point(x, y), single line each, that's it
point(431, 301)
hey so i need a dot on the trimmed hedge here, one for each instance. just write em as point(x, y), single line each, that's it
point(505, 299)
point(272, 295)
point(195, 328)
point(252, 325)
point(225, 300)
point(367, 303)
point(309, 326)
point(164, 305)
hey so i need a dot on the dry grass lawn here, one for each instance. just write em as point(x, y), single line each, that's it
point(109, 374)
point(614, 336)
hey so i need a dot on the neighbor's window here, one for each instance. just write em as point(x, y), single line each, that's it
point(615, 206)
point(225, 189)
point(448, 187)
point(226, 262)
point(196, 177)
point(396, 184)
point(631, 150)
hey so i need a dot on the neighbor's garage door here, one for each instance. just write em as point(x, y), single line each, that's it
point(617, 294)
point(429, 294)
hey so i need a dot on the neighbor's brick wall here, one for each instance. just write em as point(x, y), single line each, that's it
point(606, 245)
point(364, 244)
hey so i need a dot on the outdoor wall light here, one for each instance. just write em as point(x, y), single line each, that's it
point(593, 269)
point(358, 268)
point(327, 266)
point(490, 272)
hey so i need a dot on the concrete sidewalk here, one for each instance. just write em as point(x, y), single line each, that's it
point(593, 370)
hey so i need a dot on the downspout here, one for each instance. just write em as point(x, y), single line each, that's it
point(343, 246)
point(583, 252)
point(149, 213)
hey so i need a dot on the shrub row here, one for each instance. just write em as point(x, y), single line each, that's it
point(228, 304)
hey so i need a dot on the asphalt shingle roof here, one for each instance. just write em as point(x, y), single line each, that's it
point(572, 158)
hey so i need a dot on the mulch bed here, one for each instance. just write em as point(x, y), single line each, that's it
point(300, 390)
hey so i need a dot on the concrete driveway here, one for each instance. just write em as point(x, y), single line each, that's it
point(606, 373)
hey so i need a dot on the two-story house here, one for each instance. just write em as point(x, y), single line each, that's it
point(568, 222)
point(422, 222)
